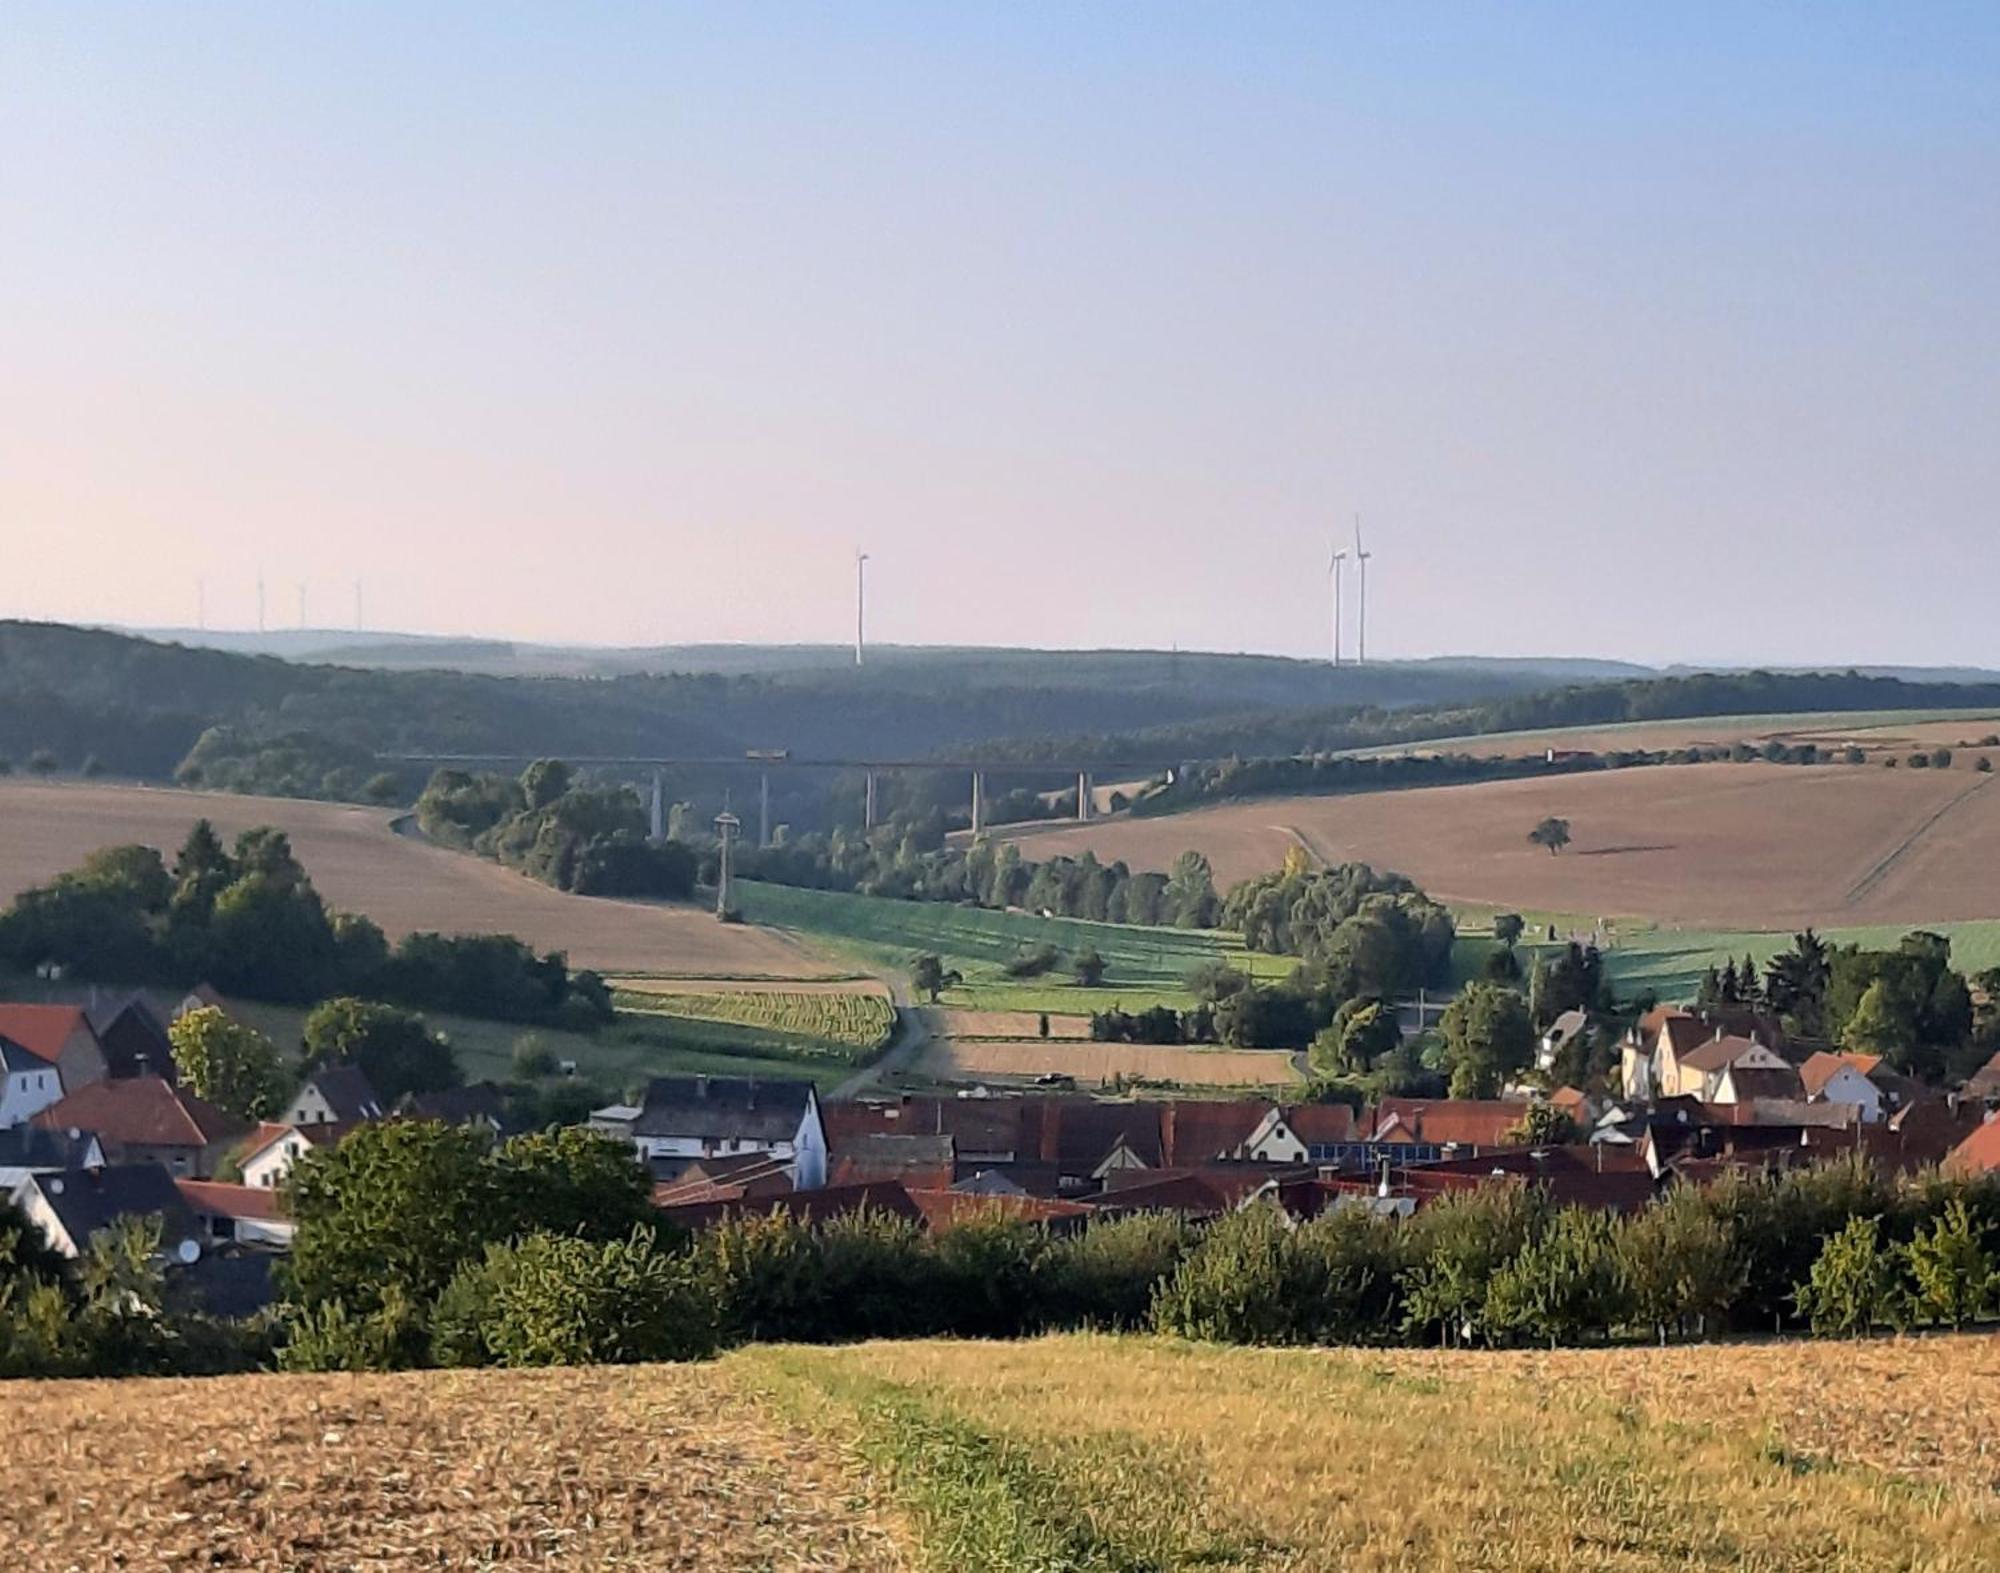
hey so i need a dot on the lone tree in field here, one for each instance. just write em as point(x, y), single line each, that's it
point(1551, 833)
point(929, 973)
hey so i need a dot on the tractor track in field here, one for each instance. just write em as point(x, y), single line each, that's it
point(1868, 882)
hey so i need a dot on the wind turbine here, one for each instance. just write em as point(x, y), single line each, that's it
point(1361, 560)
point(860, 602)
point(1333, 562)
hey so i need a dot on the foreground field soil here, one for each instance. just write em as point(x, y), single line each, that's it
point(1072, 1453)
point(360, 864)
point(1726, 845)
point(604, 1469)
point(1083, 1452)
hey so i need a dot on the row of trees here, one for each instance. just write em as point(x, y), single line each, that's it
point(249, 921)
point(424, 1244)
point(573, 835)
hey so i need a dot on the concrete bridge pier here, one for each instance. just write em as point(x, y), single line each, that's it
point(868, 803)
point(763, 808)
point(1083, 789)
point(978, 803)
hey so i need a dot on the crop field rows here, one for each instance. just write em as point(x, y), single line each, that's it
point(861, 1021)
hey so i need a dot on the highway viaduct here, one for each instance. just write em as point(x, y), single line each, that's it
point(764, 761)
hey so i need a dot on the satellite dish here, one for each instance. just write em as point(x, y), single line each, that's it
point(189, 1252)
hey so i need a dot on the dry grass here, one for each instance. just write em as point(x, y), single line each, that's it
point(1783, 1458)
point(985, 1059)
point(663, 1467)
point(1728, 846)
point(360, 864)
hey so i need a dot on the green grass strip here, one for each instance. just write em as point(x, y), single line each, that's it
point(984, 1501)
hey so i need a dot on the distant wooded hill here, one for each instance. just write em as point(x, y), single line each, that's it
point(138, 706)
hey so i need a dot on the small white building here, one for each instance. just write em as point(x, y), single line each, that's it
point(690, 1117)
point(1565, 1029)
point(1843, 1078)
point(270, 1153)
point(28, 1084)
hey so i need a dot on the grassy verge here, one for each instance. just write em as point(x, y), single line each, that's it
point(984, 1500)
point(1094, 1452)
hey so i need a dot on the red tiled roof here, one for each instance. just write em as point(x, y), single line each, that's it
point(1466, 1121)
point(1317, 1124)
point(42, 1029)
point(1718, 1053)
point(216, 1199)
point(143, 1111)
point(806, 1206)
point(1195, 1131)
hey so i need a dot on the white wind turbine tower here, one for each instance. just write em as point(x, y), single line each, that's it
point(1334, 560)
point(860, 603)
point(1361, 561)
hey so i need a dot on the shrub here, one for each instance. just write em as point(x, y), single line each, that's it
point(1853, 1284)
point(1680, 1263)
point(532, 1058)
point(1950, 1267)
point(558, 1300)
point(1106, 1275)
point(331, 1337)
point(1563, 1284)
point(1455, 1246)
point(986, 1274)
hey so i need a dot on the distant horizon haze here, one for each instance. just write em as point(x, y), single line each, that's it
point(1660, 335)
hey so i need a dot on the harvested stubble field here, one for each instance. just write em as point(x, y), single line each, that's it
point(360, 864)
point(588, 1470)
point(985, 1059)
point(1066, 1453)
point(966, 1024)
point(1873, 730)
point(1094, 1452)
point(1725, 845)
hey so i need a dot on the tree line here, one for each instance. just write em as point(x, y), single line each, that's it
point(591, 839)
point(424, 1244)
point(248, 920)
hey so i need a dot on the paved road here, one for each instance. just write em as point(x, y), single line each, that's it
point(917, 1027)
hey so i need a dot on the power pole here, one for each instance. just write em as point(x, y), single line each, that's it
point(860, 604)
point(726, 826)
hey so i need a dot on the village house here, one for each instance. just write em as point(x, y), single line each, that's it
point(134, 1039)
point(683, 1118)
point(1700, 1071)
point(147, 1120)
point(267, 1157)
point(60, 1036)
point(481, 1104)
point(236, 1214)
point(1843, 1078)
point(1563, 1031)
point(333, 1095)
point(68, 1208)
point(28, 1083)
point(28, 1149)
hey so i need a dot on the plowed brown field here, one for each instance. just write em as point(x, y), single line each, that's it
point(360, 864)
point(1750, 846)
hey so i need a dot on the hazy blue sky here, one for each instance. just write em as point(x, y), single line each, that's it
point(1663, 331)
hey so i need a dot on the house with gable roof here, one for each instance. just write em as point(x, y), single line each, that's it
point(690, 1117)
point(60, 1036)
point(143, 1119)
